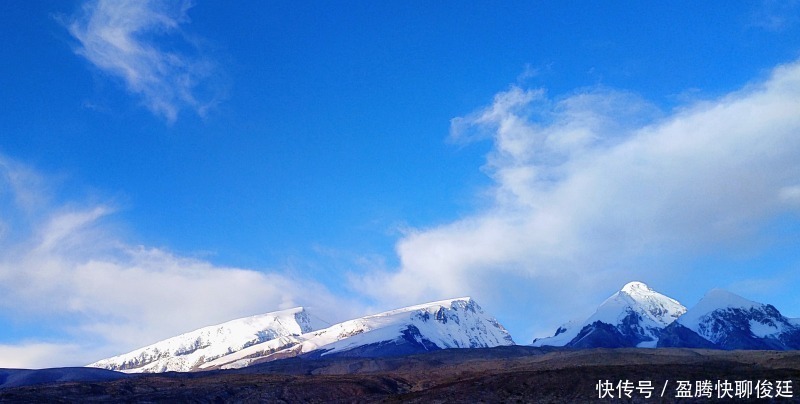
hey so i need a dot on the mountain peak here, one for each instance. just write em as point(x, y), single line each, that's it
point(637, 297)
point(636, 287)
point(451, 323)
point(716, 299)
point(729, 299)
point(732, 322)
point(637, 312)
point(439, 303)
point(189, 350)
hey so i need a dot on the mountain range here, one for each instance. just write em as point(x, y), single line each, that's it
point(724, 320)
point(635, 316)
point(632, 317)
point(189, 351)
point(638, 316)
point(454, 323)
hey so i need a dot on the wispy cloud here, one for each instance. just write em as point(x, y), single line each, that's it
point(66, 270)
point(142, 43)
point(598, 188)
point(38, 355)
point(775, 15)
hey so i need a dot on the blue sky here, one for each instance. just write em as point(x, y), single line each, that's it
point(171, 165)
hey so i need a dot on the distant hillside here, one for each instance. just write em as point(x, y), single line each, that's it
point(500, 374)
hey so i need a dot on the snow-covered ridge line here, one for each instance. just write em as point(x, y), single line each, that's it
point(187, 351)
point(725, 320)
point(423, 306)
point(452, 323)
point(717, 299)
point(641, 317)
point(635, 316)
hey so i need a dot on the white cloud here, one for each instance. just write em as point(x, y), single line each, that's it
point(790, 194)
point(775, 15)
point(37, 355)
point(65, 269)
point(599, 188)
point(126, 39)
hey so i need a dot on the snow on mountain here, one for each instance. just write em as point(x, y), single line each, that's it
point(719, 300)
point(729, 321)
point(189, 351)
point(563, 335)
point(454, 323)
point(636, 315)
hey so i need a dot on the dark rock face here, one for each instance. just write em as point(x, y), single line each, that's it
point(601, 335)
point(676, 335)
point(411, 342)
point(733, 324)
point(731, 328)
point(736, 324)
point(791, 339)
point(628, 334)
point(631, 328)
point(414, 338)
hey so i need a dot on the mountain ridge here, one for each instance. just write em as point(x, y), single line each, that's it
point(729, 321)
point(187, 351)
point(634, 316)
point(450, 323)
point(637, 316)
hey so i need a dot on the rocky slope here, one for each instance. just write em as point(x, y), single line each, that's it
point(632, 317)
point(724, 320)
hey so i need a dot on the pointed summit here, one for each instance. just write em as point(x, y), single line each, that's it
point(634, 316)
point(636, 287)
point(653, 310)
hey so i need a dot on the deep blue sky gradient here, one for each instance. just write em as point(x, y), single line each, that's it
point(331, 128)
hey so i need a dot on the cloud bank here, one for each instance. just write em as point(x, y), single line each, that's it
point(66, 269)
point(589, 191)
point(141, 42)
point(597, 188)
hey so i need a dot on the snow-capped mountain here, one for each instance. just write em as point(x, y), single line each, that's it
point(455, 323)
point(187, 352)
point(634, 316)
point(724, 320)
